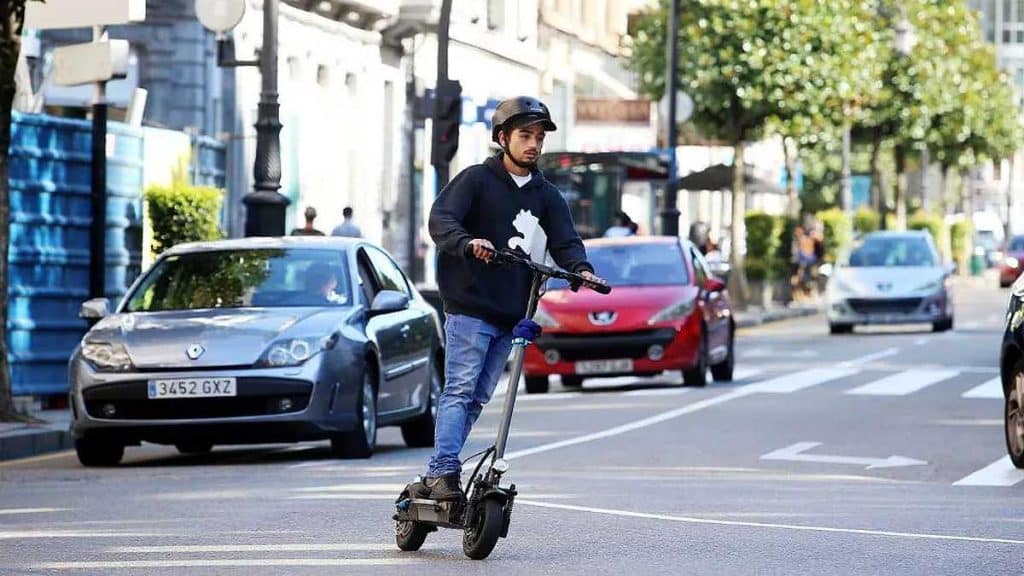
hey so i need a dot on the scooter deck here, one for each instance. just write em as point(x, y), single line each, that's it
point(446, 514)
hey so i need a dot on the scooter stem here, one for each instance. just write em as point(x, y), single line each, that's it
point(517, 371)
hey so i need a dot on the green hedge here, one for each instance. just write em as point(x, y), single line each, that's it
point(837, 232)
point(933, 224)
point(762, 245)
point(960, 242)
point(866, 220)
point(183, 213)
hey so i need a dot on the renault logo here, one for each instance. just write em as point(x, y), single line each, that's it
point(603, 318)
point(195, 351)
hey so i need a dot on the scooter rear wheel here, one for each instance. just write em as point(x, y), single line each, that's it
point(483, 531)
point(410, 535)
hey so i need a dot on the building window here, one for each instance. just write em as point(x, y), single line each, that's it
point(1006, 36)
point(323, 76)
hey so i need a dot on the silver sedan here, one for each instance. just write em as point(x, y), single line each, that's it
point(258, 340)
point(890, 278)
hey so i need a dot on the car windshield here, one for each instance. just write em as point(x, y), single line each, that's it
point(884, 251)
point(635, 265)
point(1017, 244)
point(244, 278)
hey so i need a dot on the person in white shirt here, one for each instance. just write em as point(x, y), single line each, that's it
point(347, 228)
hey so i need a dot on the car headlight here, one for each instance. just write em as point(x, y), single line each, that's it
point(932, 286)
point(841, 287)
point(679, 310)
point(291, 352)
point(544, 319)
point(1011, 261)
point(107, 356)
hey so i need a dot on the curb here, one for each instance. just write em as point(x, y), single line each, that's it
point(775, 316)
point(33, 441)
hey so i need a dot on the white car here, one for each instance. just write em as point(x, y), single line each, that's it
point(890, 278)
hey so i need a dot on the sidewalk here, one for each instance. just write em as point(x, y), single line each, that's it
point(19, 440)
point(756, 316)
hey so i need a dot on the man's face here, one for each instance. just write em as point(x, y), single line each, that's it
point(525, 144)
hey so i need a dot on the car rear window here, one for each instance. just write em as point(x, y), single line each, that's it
point(636, 265)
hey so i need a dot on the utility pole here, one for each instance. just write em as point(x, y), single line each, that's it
point(447, 106)
point(670, 213)
point(98, 179)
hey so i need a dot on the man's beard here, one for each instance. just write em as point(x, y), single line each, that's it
point(527, 164)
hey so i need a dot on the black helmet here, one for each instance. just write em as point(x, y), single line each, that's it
point(518, 112)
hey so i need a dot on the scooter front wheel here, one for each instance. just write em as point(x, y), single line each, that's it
point(410, 535)
point(483, 530)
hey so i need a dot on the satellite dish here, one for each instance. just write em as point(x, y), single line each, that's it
point(220, 15)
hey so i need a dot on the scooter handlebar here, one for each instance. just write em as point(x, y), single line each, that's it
point(574, 280)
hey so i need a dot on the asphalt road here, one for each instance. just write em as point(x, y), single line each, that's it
point(876, 453)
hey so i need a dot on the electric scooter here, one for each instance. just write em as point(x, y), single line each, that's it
point(486, 513)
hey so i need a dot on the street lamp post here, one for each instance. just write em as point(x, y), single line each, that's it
point(264, 206)
point(670, 213)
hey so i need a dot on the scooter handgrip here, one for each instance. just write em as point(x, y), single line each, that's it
point(599, 288)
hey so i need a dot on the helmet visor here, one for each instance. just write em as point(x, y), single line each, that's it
point(531, 120)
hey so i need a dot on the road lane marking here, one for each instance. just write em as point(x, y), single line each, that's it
point(922, 341)
point(1002, 472)
point(34, 459)
point(993, 389)
point(224, 563)
point(903, 383)
point(870, 358)
point(795, 453)
point(800, 380)
point(192, 548)
point(390, 488)
point(656, 419)
point(332, 496)
point(4, 512)
point(15, 534)
point(795, 527)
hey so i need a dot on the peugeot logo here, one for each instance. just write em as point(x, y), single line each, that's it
point(195, 351)
point(884, 286)
point(603, 318)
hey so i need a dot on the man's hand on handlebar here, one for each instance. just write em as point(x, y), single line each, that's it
point(481, 249)
point(592, 278)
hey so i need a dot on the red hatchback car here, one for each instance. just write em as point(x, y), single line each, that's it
point(1013, 261)
point(667, 312)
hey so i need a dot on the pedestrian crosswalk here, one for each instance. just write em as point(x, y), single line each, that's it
point(903, 383)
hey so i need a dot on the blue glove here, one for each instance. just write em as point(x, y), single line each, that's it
point(527, 330)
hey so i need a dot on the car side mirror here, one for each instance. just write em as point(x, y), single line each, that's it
point(714, 285)
point(388, 301)
point(95, 309)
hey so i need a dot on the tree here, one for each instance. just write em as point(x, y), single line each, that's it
point(747, 63)
point(12, 19)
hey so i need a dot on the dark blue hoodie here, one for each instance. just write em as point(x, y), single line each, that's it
point(484, 202)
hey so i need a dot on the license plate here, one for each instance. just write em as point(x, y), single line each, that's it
point(604, 366)
point(192, 388)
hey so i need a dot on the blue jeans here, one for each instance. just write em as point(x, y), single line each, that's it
point(475, 355)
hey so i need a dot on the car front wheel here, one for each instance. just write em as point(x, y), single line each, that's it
point(93, 452)
point(1014, 417)
point(359, 443)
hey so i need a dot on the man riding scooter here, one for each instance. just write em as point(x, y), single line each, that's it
point(506, 203)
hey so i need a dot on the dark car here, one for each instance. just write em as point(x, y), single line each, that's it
point(1011, 366)
point(1013, 261)
point(254, 341)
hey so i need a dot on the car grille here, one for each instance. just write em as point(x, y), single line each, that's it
point(256, 397)
point(597, 346)
point(885, 305)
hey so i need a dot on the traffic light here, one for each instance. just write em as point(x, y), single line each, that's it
point(447, 118)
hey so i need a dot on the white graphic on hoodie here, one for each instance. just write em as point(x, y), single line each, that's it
point(534, 240)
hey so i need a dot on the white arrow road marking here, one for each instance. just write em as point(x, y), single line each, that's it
point(796, 527)
point(993, 389)
point(795, 453)
point(1002, 472)
point(903, 383)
